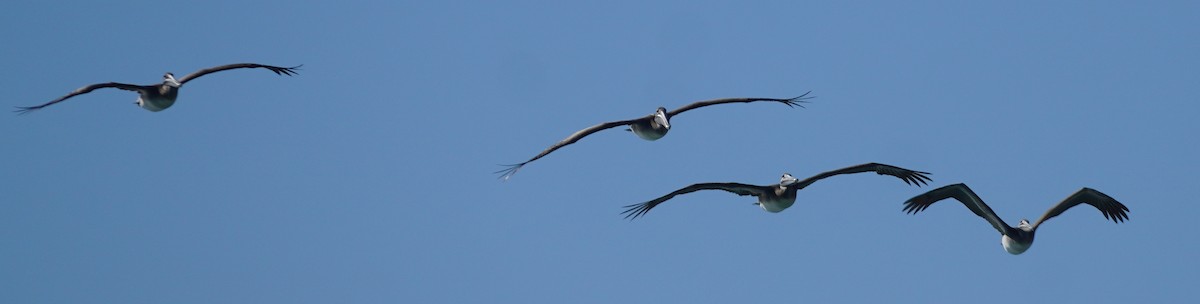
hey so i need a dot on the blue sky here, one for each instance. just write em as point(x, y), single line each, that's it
point(368, 177)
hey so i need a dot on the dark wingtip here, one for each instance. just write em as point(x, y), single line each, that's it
point(911, 206)
point(798, 101)
point(289, 71)
point(635, 211)
point(803, 97)
point(24, 110)
point(924, 178)
point(1119, 216)
point(507, 173)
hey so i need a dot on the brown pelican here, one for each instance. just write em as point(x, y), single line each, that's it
point(776, 197)
point(158, 97)
point(651, 127)
point(1017, 240)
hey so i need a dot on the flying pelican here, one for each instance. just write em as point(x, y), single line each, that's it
point(158, 97)
point(1017, 240)
point(775, 198)
point(651, 127)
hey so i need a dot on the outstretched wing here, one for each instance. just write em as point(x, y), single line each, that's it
point(964, 195)
point(512, 169)
point(637, 210)
point(1111, 208)
point(908, 176)
point(278, 70)
point(790, 102)
point(85, 90)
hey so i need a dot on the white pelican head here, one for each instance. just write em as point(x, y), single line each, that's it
point(660, 116)
point(787, 180)
point(169, 79)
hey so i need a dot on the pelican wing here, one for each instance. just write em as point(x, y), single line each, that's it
point(908, 176)
point(85, 90)
point(1111, 208)
point(964, 195)
point(637, 210)
point(512, 169)
point(790, 102)
point(278, 70)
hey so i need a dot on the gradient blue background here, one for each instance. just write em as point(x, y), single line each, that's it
point(368, 177)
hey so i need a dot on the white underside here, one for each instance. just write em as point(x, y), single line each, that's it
point(776, 205)
point(647, 134)
point(155, 104)
point(1012, 246)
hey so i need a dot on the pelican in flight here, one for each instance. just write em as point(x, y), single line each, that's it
point(776, 197)
point(158, 97)
point(1017, 240)
point(650, 127)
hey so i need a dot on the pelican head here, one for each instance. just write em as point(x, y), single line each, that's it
point(787, 180)
point(169, 79)
point(660, 116)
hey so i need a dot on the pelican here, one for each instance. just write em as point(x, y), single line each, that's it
point(158, 97)
point(775, 198)
point(651, 127)
point(1017, 240)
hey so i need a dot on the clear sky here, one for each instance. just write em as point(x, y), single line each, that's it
point(368, 177)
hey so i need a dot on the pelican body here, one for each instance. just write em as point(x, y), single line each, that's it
point(654, 128)
point(778, 197)
point(159, 97)
point(1017, 240)
point(651, 127)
